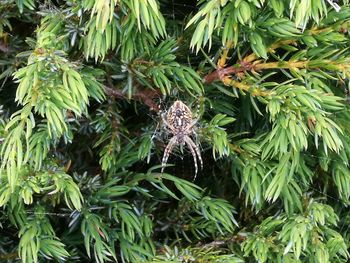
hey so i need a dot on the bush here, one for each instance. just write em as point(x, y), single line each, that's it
point(83, 85)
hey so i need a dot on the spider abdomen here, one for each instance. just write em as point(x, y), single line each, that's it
point(179, 116)
point(178, 120)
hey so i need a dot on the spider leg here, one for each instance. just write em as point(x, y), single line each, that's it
point(196, 115)
point(193, 152)
point(167, 125)
point(162, 114)
point(195, 139)
point(167, 152)
point(194, 122)
point(195, 147)
point(155, 131)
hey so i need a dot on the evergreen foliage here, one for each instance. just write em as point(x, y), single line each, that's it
point(82, 143)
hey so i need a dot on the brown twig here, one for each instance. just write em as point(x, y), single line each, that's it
point(245, 65)
point(223, 242)
point(251, 63)
point(146, 96)
point(221, 72)
point(9, 256)
point(4, 46)
point(228, 81)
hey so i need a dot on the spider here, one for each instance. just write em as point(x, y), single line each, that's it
point(178, 120)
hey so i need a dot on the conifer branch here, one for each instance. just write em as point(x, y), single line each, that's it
point(145, 96)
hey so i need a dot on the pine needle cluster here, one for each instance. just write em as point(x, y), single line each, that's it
point(81, 141)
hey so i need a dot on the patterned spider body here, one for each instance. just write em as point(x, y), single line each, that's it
point(179, 122)
point(179, 118)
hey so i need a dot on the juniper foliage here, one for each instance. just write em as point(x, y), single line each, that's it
point(81, 142)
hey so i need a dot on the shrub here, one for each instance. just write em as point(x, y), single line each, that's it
point(83, 84)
